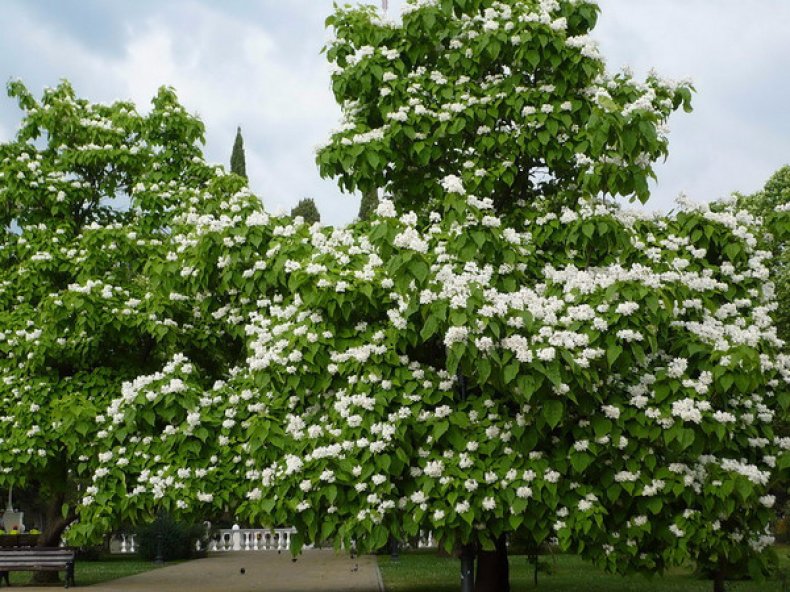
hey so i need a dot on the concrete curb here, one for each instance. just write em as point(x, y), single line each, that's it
point(379, 578)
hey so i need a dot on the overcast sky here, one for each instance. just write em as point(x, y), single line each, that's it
point(256, 63)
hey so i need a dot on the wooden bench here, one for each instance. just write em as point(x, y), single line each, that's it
point(37, 559)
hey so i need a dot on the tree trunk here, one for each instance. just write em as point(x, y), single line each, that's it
point(50, 536)
point(467, 568)
point(493, 570)
point(718, 581)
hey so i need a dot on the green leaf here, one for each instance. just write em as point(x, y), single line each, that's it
point(686, 437)
point(743, 487)
point(439, 429)
point(297, 542)
point(510, 372)
point(756, 569)
point(654, 504)
point(580, 461)
point(552, 412)
point(429, 328)
point(732, 250)
point(612, 353)
point(601, 426)
point(419, 270)
point(327, 530)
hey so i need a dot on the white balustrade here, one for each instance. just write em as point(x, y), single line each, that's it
point(251, 539)
point(227, 540)
point(223, 541)
point(124, 543)
point(426, 540)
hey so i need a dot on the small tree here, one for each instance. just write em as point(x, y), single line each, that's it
point(307, 209)
point(238, 161)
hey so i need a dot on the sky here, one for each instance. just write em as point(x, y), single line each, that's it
point(257, 64)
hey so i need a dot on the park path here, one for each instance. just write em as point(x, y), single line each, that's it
point(313, 571)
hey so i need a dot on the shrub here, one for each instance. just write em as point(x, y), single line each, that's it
point(177, 538)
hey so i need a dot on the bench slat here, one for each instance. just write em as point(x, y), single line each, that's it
point(24, 554)
point(45, 558)
point(41, 550)
point(47, 555)
point(35, 560)
point(35, 563)
point(36, 568)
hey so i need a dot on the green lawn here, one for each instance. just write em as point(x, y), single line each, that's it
point(94, 572)
point(419, 572)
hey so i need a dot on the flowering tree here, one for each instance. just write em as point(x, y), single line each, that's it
point(772, 205)
point(86, 194)
point(498, 351)
point(624, 408)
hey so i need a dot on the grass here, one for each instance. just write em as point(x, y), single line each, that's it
point(94, 572)
point(421, 572)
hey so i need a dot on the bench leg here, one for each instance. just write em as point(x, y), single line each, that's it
point(70, 575)
point(4, 576)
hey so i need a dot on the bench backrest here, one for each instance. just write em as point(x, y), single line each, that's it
point(38, 556)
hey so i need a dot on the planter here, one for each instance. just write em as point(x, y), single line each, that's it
point(18, 540)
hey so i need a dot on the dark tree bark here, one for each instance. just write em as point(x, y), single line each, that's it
point(493, 570)
point(718, 581)
point(468, 568)
point(50, 537)
point(51, 534)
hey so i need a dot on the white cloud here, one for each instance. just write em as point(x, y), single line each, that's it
point(735, 52)
point(230, 72)
point(259, 66)
point(281, 101)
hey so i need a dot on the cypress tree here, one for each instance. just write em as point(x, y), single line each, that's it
point(238, 163)
point(307, 209)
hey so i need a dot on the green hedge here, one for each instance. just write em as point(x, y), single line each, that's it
point(178, 539)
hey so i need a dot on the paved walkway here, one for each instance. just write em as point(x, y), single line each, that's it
point(267, 571)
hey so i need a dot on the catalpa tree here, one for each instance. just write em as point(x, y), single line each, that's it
point(624, 408)
point(499, 351)
point(86, 195)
